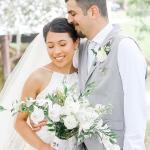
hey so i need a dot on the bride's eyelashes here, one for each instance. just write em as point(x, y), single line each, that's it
point(60, 44)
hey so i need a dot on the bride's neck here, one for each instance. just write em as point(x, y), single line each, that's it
point(67, 69)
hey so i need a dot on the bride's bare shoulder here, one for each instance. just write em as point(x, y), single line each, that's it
point(36, 82)
point(40, 75)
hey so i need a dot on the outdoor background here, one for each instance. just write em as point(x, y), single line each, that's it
point(21, 20)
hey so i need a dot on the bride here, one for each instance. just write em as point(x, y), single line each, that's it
point(40, 71)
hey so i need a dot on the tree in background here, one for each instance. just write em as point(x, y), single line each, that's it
point(19, 16)
point(140, 10)
point(27, 15)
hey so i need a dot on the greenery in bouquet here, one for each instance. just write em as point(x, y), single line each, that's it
point(69, 114)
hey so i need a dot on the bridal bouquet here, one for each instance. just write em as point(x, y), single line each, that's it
point(70, 114)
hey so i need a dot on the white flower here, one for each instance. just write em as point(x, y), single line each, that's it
point(98, 106)
point(101, 55)
point(55, 112)
point(41, 102)
point(37, 115)
point(44, 102)
point(30, 101)
point(86, 117)
point(16, 105)
point(50, 104)
point(70, 122)
point(70, 106)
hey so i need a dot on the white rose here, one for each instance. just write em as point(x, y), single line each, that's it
point(70, 122)
point(92, 113)
point(66, 110)
point(55, 112)
point(37, 115)
point(86, 117)
point(70, 106)
point(50, 104)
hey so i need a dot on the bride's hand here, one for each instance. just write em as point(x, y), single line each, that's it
point(46, 147)
point(37, 127)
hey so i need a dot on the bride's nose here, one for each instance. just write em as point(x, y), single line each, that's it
point(57, 50)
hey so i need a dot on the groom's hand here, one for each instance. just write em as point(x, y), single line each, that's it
point(37, 127)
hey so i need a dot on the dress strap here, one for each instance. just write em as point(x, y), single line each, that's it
point(44, 68)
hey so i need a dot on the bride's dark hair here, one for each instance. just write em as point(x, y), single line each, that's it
point(60, 25)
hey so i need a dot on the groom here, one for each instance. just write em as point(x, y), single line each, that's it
point(119, 74)
point(118, 69)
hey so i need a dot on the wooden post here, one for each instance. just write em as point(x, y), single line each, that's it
point(4, 40)
point(125, 5)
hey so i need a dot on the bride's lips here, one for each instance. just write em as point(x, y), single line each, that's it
point(60, 58)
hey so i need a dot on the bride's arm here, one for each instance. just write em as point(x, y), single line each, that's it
point(31, 88)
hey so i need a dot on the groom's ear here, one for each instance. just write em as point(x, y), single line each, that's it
point(93, 12)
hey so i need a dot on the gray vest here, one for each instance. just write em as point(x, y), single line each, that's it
point(109, 89)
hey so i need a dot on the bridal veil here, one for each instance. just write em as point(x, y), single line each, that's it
point(34, 57)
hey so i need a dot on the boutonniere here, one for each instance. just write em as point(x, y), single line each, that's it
point(103, 52)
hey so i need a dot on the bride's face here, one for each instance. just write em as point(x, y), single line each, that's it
point(61, 48)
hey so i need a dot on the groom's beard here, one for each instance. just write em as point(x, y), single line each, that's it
point(80, 34)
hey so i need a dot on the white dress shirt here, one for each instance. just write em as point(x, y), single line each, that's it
point(132, 67)
point(96, 42)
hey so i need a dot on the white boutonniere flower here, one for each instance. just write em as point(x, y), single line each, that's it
point(103, 52)
point(101, 55)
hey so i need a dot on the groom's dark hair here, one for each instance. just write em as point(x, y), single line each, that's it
point(60, 25)
point(86, 4)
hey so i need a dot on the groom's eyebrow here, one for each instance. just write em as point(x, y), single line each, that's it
point(70, 11)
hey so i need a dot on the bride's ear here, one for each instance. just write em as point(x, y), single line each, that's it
point(77, 42)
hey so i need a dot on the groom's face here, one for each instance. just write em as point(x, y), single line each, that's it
point(78, 18)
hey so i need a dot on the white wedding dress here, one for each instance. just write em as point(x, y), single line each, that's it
point(56, 83)
point(34, 57)
point(48, 137)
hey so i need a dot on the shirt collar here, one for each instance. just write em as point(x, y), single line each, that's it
point(100, 36)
